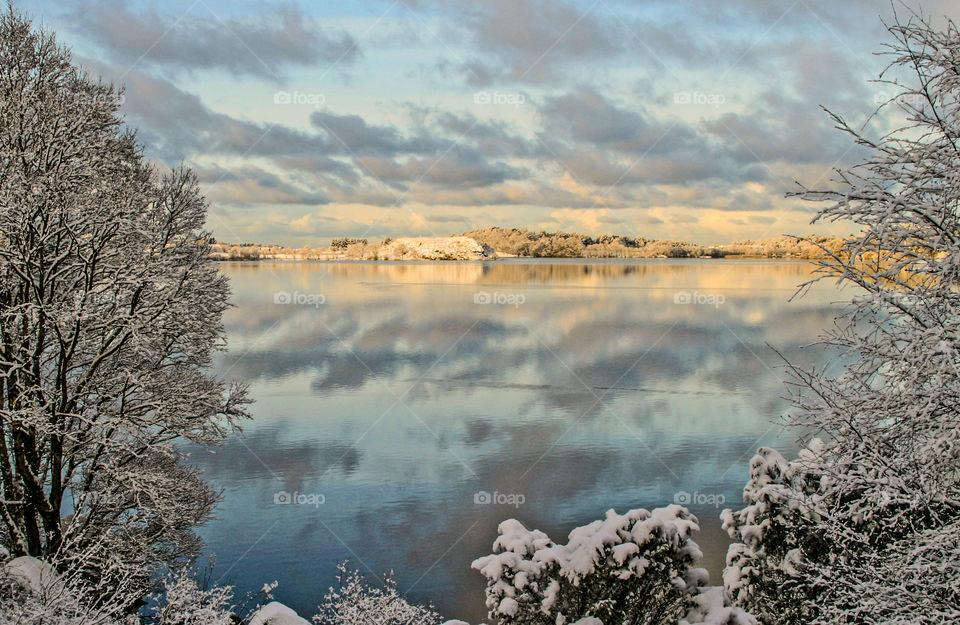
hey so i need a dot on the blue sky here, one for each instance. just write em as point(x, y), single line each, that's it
point(687, 119)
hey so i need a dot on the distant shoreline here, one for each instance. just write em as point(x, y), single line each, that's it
point(732, 257)
point(500, 243)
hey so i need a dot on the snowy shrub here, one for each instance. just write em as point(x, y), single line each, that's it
point(19, 608)
point(631, 568)
point(774, 534)
point(863, 528)
point(712, 606)
point(32, 593)
point(275, 613)
point(184, 602)
point(824, 539)
point(356, 602)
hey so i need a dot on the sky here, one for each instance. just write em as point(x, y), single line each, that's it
point(678, 119)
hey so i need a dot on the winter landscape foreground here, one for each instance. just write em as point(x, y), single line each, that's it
point(112, 313)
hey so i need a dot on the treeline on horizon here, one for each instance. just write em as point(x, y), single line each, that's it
point(542, 244)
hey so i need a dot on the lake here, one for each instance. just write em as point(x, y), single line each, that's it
point(404, 409)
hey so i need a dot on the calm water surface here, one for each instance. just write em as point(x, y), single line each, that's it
point(583, 386)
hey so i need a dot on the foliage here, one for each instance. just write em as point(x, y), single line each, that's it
point(775, 537)
point(357, 602)
point(52, 602)
point(633, 568)
point(543, 244)
point(110, 311)
point(184, 602)
point(344, 242)
point(56, 601)
point(864, 527)
point(809, 247)
point(562, 244)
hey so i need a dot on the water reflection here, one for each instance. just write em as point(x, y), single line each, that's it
point(400, 397)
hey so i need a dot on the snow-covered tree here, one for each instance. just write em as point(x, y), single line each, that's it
point(110, 310)
point(864, 527)
point(631, 568)
point(355, 601)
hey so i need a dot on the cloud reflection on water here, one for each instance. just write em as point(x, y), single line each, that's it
point(400, 397)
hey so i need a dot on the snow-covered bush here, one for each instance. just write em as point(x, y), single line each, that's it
point(775, 536)
point(357, 602)
point(863, 528)
point(33, 593)
point(712, 606)
point(184, 602)
point(631, 568)
point(824, 539)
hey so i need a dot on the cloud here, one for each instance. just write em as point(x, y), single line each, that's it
point(263, 47)
point(586, 116)
point(546, 41)
point(352, 134)
point(250, 186)
point(598, 135)
point(491, 137)
point(177, 124)
point(530, 37)
point(461, 167)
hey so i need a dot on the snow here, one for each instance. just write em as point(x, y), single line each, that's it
point(711, 606)
point(434, 248)
point(530, 576)
point(36, 575)
point(624, 551)
point(624, 534)
point(793, 562)
point(275, 613)
point(508, 606)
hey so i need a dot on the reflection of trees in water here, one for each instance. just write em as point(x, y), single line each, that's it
point(786, 275)
point(558, 339)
